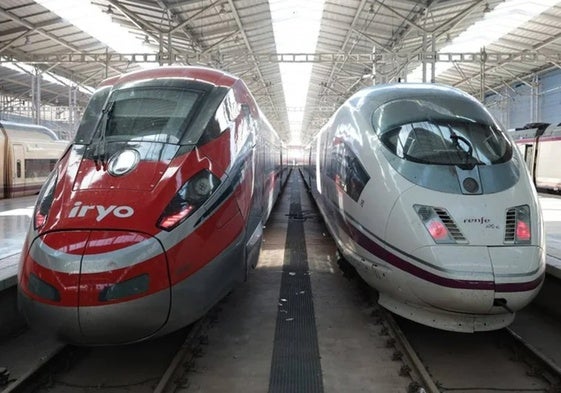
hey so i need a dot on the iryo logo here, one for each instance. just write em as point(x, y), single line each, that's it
point(80, 210)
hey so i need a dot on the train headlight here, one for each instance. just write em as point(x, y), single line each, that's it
point(45, 200)
point(518, 229)
point(188, 199)
point(432, 219)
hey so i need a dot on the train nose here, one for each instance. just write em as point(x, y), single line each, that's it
point(96, 287)
point(484, 279)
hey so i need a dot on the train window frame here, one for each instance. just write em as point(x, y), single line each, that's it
point(228, 112)
point(161, 128)
point(88, 130)
point(36, 168)
point(437, 136)
point(92, 115)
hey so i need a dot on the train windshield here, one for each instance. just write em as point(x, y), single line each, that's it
point(425, 132)
point(147, 113)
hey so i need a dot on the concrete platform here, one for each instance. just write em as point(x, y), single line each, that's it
point(15, 217)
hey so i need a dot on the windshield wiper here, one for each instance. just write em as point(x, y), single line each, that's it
point(100, 148)
point(455, 142)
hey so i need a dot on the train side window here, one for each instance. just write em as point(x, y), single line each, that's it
point(245, 110)
point(218, 123)
point(529, 155)
point(18, 169)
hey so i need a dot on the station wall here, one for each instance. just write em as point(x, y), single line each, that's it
point(519, 103)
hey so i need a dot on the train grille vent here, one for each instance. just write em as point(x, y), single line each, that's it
point(510, 225)
point(453, 229)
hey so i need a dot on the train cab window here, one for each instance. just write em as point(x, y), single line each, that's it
point(91, 115)
point(428, 133)
point(149, 114)
point(146, 113)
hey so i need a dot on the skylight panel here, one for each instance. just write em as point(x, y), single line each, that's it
point(296, 27)
point(92, 20)
point(503, 19)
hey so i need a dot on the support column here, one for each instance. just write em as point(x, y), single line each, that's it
point(535, 99)
point(72, 108)
point(36, 96)
point(482, 86)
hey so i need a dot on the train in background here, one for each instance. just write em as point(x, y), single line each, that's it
point(540, 144)
point(29, 154)
point(156, 210)
point(429, 200)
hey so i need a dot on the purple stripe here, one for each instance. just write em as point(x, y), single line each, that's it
point(520, 286)
point(550, 138)
point(377, 250)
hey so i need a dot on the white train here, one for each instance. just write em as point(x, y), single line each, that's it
point(429, 200)
point(29, 154)
point(540, 143)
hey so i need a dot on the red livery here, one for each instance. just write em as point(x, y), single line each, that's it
point(155, 211)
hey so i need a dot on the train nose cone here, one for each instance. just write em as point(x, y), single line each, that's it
point(108, 287)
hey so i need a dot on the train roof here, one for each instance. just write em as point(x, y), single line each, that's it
point(202, 74)
point(382, 94)
point(414, 99)
point(529, 132)
point(27, 128)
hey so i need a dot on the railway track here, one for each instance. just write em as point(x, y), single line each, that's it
point(481, 362)
point(156, 366)
point(442, 361)
point(436, 361)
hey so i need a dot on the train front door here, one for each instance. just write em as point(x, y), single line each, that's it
point(529, 158)
point(17, 186)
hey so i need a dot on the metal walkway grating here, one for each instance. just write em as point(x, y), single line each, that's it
point(295, 365)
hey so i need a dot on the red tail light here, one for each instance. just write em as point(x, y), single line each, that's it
point(437, 230)
point(518, 228)
point(188, 199)
point(433, 224)
point(522, 231)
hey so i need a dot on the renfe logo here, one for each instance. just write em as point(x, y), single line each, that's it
point(477, 220)
point(80, 210)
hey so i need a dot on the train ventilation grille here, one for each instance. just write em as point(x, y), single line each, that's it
point(510, 225)
point(453, 229)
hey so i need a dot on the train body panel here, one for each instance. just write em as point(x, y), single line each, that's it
point(539, 148)
point(155, 212)
point(29, 153)
point(428, 199)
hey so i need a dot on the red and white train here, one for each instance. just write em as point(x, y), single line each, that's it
point(540, 143)
point(430, 201)
point(155, 212)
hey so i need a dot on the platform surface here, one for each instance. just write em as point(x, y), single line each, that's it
point(15, 216)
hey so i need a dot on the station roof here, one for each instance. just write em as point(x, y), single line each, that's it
point(360, 42)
